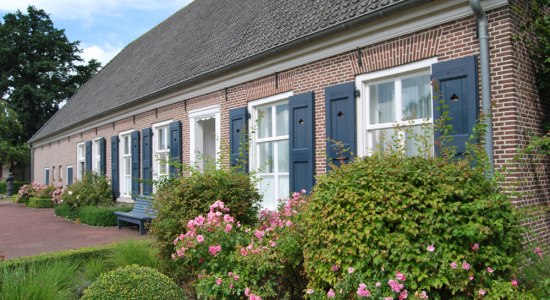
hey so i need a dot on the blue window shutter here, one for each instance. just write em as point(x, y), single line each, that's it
point(147, 163)
point(89, 156)
point(238, 127)
point(455, 85)
point(69, 176)
point(47, 177)
point(135, 163)
point(115, 179)
point(301, 142)
point(102, 158)
point(175, 148)
point(340, 122)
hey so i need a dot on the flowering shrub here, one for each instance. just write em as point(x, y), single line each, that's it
point(440, 223)
point(180, 199)
point(232, 261)
point(36, 190)
point(92, 190)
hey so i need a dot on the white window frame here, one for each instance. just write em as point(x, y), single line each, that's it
point(67, 173)
point(124, 194)
point(96, 155)
point(80, 160)
point(254, 150)
point(47, 176)
point(201, 114)
point(362, 82)
point(155, 154)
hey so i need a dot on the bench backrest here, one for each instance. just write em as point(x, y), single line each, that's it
point(143, 205)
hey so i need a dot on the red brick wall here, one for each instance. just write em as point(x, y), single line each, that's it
point(516, 107)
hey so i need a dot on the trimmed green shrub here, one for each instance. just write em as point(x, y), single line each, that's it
point(435, 221)
point(179, 200)
point(40, 202)
point(66, 211)
point(91, 215)
point(100, 216)
point(92, 190)
point(3, 187)
point(133, 282)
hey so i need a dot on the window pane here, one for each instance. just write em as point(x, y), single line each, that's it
point(282, 150)
point(267, 189)
point(282, 119)
point(161, 140)
point(419, 140)
point(416, 98)
point(382, 103)
point(128, 184)
point(162, 163)
point(385, 139)
point(264, 122)
point(283, 187)
point(127, 166)
point(126, 145)
point(266, 157)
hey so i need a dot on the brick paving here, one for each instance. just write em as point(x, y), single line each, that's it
point(28, 231)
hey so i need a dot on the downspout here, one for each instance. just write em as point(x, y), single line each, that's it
point(483, 24)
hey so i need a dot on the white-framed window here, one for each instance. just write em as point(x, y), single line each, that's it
point(96, 155)
point(269, 152)
point(70, 175)
point(80, 160)
point(125, 161)
point(46, 176)
point(204, 135)
point(395, 109)
point(161, 149)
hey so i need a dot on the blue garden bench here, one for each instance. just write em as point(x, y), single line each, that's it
point(141, 214)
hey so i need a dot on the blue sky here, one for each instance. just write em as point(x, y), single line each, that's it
point(103, 27)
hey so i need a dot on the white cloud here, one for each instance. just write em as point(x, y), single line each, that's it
point(88, 10)
point(103, 54)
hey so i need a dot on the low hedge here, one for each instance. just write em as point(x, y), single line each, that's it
point(40, 202)
point(91, 215)
point(100, 216)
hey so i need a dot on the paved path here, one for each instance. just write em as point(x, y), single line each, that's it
point(28, 231)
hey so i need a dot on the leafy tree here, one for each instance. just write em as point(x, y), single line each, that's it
point(12, 149)
point(39, 67)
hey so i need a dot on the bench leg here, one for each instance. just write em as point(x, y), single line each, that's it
point(141, 228)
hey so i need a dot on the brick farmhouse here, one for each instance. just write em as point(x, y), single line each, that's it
point(293, 79)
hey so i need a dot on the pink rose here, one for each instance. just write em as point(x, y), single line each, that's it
point(218, 281)
point(475, 247)
point(213, 250)
point(335, 268)
point(228, 227)
point(538, 251)
point(200, 238)
point(246, 292)
point(400, 276)
point(403, 295)
point(362, 290)
point(482, 292)
point(490, 270)
point(351, 270)
point(377, 284)
point(471, 277)
point(423, 295)
point(309, 291)
point(453, 265)
point(514, 282)
point(331, 293)
point(430, 248)
point(466, 266)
